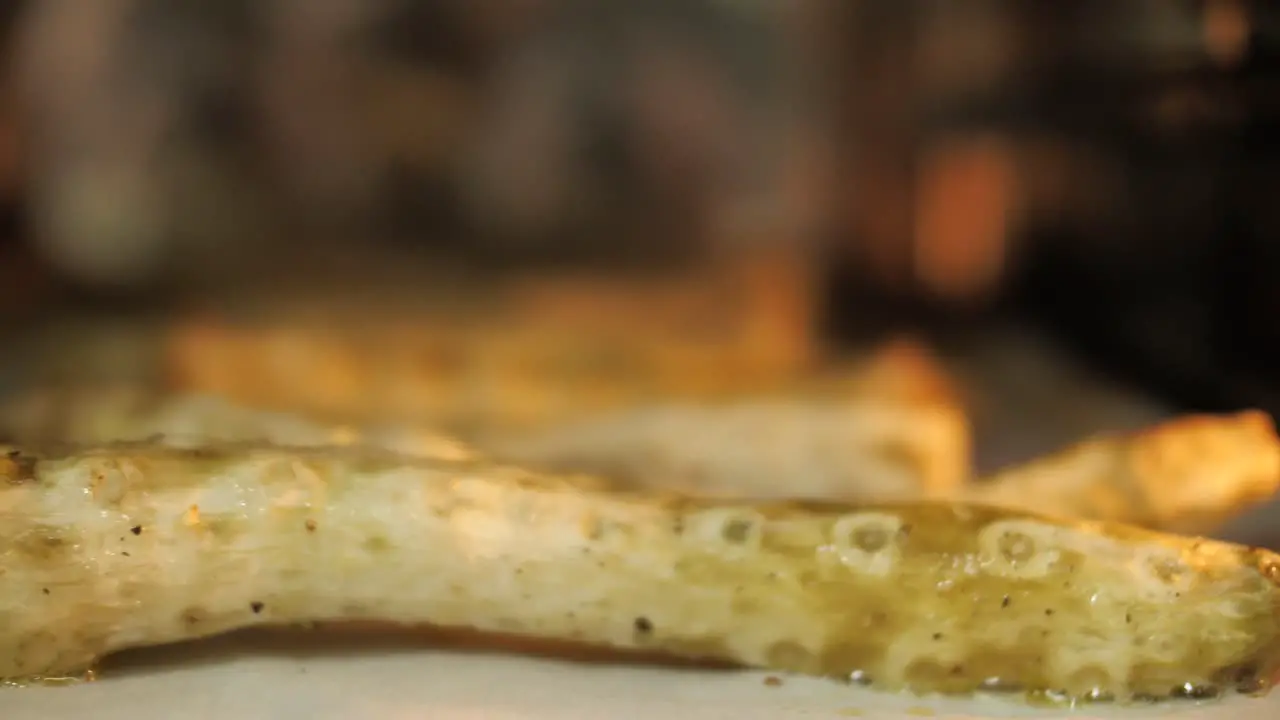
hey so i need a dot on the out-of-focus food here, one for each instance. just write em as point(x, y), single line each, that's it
point(1187, 475)
point(519, 352)
point(887, 428)
point(760, 449)
point(123, 546)
point(892, 426)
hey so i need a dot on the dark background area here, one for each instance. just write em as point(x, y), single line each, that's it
point(1103, 173)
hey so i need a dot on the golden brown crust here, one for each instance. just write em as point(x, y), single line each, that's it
point(514, 352)
point(905, 370)
point(1186, 475)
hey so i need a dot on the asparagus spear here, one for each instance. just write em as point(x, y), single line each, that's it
point(1187, 475)
point(123, 546)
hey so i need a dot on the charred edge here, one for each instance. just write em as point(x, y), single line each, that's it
point(19, 469)
point(1246, 678)
point(224, 452)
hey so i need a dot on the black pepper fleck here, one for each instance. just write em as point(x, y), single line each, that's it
point(643, 625)
point(310, 525)
point(1004, 603)
point(1128, 618)
point(937, 636)
point(44, 590)
point(136, 529)
point(256, 607)
point(1048, 612)
point(125, 553)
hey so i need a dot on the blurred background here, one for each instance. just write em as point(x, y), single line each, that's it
point(1077, 204)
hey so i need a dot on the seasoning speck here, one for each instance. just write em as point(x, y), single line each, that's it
point(256, 607)
point(136, 529)
point(643, 625)
point(773, 681)
point(310, 525)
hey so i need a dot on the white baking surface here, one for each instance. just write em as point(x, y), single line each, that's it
point(243, 679)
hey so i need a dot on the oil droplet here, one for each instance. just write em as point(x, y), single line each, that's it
point(1049, 699)
point(996, 684)
point(87, 676)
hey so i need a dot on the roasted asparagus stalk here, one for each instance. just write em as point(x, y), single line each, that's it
point(122, 546)
point(1188, 475)
point(851, 449)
